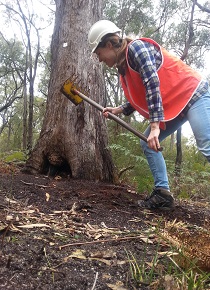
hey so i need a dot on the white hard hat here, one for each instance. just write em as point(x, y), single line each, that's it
point(98, 30)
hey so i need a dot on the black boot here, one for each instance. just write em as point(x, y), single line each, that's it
point(160, 198)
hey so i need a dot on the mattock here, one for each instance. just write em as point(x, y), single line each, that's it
point(71, 90)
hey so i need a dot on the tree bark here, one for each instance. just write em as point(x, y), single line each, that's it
point(73, 138)
point(179, 152)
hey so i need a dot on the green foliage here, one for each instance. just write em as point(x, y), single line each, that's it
point(133, 17)
point(172, 269)
point(44, 77)
point(191, 182)
point(140, 272)
point(12, 68)
point(13, 156)
point(128, 156)
point(11, 136)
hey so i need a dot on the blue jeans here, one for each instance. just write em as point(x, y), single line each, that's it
point(199, 118)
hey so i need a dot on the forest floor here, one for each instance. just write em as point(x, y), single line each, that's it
point(61, 233)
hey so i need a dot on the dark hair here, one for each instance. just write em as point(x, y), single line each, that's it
point(120, 43)
point(113, 38)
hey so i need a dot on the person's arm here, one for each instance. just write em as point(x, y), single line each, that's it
point(113, 110)
point(142, 58)
point(126, 109)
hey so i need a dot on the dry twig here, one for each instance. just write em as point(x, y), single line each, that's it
point(101, 241)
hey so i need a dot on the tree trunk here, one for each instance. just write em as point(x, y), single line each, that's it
point(25, 112)
point(172, 142)
point(73, 138)
point(179, 152)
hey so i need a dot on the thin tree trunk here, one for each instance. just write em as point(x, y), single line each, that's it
point(24, 114)
point(179, 152)
point(172, 142)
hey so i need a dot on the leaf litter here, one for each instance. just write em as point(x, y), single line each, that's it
point(75, 234)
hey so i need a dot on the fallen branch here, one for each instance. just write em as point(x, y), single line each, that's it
point(101, 241)
point(30, 183)
point(124, 170)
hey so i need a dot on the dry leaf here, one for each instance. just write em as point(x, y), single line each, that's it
point(89, 226)
point(169, 283)
point(3, 227)
point(117, 286)
point(47, 196)
point(9, 217)
point(107, 262)
point(58, 234)
point(167, 253)
point(27, 211)
point(78, 254)
point(146, 240)
point(103, 225)
point(106, 257)
point(10, 200)
point(121, 262)
point(97, 236)
point(104, 254)
point(14, 229)
point(106, 276)
point(30, 226)
point(131, 191)
point(73, 209)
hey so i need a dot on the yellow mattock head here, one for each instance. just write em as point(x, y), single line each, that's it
point(68, 90)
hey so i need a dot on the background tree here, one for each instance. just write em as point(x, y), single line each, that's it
point(73, 138)
point(11, 76)
point(28, 25)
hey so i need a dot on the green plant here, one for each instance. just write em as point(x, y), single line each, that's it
point(140, 271)
point(192, 278)
point(14, 239)
point(13, 156)
point(191, 182)
point(172, 269)
point(149, 273)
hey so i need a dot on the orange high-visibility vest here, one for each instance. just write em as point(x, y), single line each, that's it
point(178, 83)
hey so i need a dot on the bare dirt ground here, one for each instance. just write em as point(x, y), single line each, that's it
point(61, 233)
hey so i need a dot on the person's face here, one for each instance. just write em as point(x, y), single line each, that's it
point(107, 54)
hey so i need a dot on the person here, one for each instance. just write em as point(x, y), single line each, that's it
point(163, 89)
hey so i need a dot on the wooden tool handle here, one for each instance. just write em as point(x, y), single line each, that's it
point(113, 117)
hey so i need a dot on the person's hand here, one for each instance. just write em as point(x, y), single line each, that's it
point(152, 140)
point(115, 111)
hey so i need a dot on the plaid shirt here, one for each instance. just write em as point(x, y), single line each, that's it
point(146, 58)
